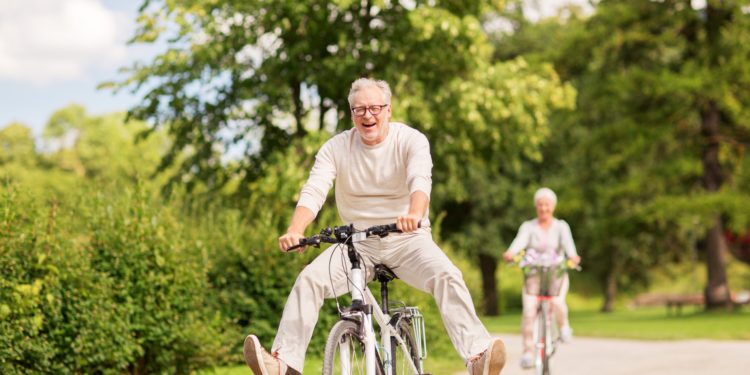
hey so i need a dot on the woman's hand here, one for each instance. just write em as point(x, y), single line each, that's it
point(576, 260)
point(508, 256)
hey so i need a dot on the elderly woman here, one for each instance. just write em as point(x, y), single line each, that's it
point(543, 237)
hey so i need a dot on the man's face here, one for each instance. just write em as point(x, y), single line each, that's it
point(372, 128)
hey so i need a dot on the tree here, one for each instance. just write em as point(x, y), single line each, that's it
point(101, 147)
point(17, 145)
point(253, 75)
point(663, 88)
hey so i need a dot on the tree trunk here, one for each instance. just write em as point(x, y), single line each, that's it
point(610, 286)
point(717, 293)
point(610, 292)
point(717, 290)
point(298, 109)
point(488, 266)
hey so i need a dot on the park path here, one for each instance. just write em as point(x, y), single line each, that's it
point(589, 356)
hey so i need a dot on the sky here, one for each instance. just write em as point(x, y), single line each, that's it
point(54, 53)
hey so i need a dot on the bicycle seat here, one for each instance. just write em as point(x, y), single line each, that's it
point(384, 274)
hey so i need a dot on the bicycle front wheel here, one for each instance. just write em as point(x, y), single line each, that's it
point(543, 342)
point(345, 351)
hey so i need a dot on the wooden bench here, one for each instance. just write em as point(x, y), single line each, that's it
point(673, 302)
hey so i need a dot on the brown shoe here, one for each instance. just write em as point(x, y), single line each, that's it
point(263, 363)
point(491, 361)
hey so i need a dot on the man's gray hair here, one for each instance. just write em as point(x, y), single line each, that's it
point(363, 83)
point(545, 193)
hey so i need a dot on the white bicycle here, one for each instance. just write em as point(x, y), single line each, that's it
point(352, 347)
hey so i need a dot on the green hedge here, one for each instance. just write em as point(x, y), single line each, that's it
point(124, 293)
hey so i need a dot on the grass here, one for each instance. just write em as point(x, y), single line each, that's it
point(445, 364)
point(646, 324)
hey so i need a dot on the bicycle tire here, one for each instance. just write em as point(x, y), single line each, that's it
point(543, 343)
point(344, 341)
point(398, 359)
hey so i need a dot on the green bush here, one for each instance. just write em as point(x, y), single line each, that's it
point(124, 293)
point(160, 279)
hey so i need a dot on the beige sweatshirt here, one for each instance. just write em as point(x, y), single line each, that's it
point(373, 183)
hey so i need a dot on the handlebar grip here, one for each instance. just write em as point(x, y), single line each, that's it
point(386, 228)
point(394, 228)
point(292, 248)
point(310, 241)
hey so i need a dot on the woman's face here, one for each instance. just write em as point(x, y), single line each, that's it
point(544, 208)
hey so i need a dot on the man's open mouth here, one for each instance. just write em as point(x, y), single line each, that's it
point(368, 125)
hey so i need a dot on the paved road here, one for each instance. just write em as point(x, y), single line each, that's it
point(589, 356)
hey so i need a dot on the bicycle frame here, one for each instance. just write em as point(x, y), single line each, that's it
point(545, 343)
point(364, 306)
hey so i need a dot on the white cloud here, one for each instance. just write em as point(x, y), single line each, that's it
point(46, 41)
point(540, 9)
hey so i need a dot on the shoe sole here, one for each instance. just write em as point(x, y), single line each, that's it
point(254, 355)
point(495, 358)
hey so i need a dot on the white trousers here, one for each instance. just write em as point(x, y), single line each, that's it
point(414, 258)
point(530, 306)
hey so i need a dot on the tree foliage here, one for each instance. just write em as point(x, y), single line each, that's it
point(648, 175)
point(251, 76)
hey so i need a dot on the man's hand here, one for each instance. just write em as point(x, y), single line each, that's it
point(408, 223)
point(291, 239)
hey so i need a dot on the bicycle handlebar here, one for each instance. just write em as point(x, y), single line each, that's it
point(343, 234)
point(564, 263)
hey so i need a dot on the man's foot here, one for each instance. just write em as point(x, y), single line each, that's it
point(263, 363)
point(527, 360)
point(566, 334)
point(491, 361)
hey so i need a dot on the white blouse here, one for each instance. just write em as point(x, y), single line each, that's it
point(539, 243)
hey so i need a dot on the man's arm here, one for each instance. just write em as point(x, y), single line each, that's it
point(312, 197)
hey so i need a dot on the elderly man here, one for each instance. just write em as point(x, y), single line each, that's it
point(383, 175)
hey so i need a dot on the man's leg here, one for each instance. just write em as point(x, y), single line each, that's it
point(314, 284)
point(419, 262)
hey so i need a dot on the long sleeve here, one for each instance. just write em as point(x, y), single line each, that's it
point(322, 174)
point(566, 240)
point(419, 165)
point(522, 239)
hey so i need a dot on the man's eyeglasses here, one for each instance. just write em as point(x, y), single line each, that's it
point(374, 110)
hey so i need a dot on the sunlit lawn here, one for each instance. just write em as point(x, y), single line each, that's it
point(445, 364)
point(646, 324)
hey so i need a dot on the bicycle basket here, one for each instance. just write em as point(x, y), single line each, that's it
point(417, 324)
point(537, 279)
